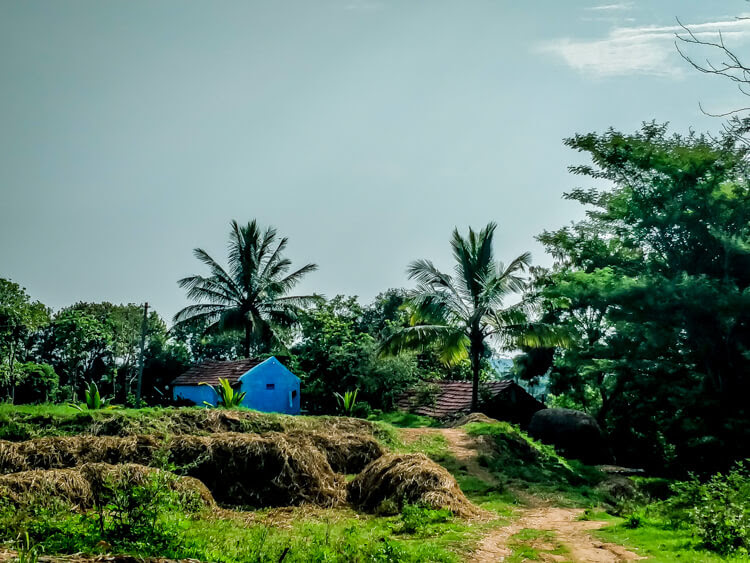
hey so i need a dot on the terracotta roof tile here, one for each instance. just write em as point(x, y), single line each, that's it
point(453, 397)
point(210, 371)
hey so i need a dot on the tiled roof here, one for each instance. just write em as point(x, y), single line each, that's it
point(452, 398)
point(210, 371)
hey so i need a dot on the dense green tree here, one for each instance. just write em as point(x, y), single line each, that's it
point(20, 317)
point(203, 344)
point(78, 344)
point(118, 363)
point(458, 314)
point(335, 354)
point(253, 296)
point(654, 287)
point(37, 383)
point(165, 357)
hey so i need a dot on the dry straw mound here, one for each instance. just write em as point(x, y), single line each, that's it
point(259, 470)
point(346, 452)
point(272, 469)
point(473, 417)
point(80, 486)
point(413, 478)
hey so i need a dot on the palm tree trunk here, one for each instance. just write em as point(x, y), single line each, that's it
point(12, 373)
point(475, 352)
point(246, 343)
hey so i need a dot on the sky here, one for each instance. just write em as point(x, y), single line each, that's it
point(134, 131)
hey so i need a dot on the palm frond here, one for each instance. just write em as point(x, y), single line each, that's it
point(450, 341)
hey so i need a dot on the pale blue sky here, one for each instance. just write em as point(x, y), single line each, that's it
point(365, 130)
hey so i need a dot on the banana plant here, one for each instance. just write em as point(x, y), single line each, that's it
point(347, 401)
point(94, 400)
point(228, 397)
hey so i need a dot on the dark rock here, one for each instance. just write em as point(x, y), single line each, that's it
point(573, 433)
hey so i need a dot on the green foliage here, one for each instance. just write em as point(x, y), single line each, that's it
point(20, 321)
point(252, 297)
point(335, 354)
point(403, 419)
point(718, 510)
point(229, 398)
point(347, 401)
point(35, 383)
point(149, 522)
point(144, 518)
point(134, 517)
point(27, 551)
point(93, 400)
point(456, 315)
point(418, 519)
point(652, 289)
point(79, 341)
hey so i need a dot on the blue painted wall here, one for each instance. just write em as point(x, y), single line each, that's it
point(269, 387)
point(195, 393)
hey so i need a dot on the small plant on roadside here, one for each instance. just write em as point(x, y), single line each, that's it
point(94, 400)
point(28, 552)
point(135, 516)
point(229, 397)
point(416, 518)
point(633, 521)
point(347, 401)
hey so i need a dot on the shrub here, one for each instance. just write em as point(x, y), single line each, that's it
point(36, 383)
point(137, 515)
point(718, 510)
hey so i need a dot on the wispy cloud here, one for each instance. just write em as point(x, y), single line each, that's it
point(619, 7)
point(639, 49)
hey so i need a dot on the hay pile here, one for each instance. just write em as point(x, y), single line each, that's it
point(272, 469)
point(70, 451)
point(80, 486)
point(260, 470)
point(412, 478)
point(182, 421)
point(346, 452)
point(474, 417)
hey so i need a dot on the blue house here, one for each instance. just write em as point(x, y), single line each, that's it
point(268, 384)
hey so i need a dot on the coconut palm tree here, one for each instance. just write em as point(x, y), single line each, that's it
point(458, 314)
point(252, 295)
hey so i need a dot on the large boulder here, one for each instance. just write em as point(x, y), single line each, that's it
point(573, 433)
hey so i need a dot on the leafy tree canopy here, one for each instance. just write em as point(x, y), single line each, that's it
point(653, 287)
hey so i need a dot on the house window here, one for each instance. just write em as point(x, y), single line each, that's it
point(270, 386)
point(294, 394)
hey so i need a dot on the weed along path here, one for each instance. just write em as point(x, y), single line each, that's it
point(553, 533)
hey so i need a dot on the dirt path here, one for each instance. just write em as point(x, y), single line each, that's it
point(571, 533)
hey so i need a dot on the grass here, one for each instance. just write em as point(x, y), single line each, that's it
point(531, 545)
point(303, 534)
point(518, 466)
point(405, 420)
point(660, 542)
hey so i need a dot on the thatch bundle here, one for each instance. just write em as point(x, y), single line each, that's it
point(261, 470)
point(346, 452)
point(70, 451)
point(177, 421)
point(80, 486)
point(272, 469)
point(412, 478)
